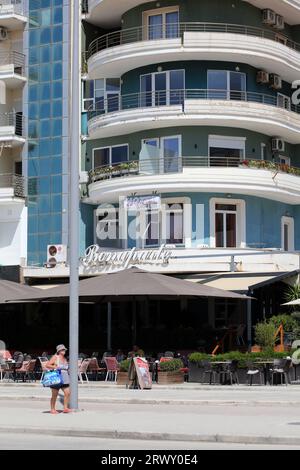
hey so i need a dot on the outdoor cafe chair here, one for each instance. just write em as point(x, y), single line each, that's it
point(94, 368)
point(210, 370)
point(112, 368)
point(43, 361)
point(230, 370)
point(254, 370)
point(281, 368)
point(82, 370)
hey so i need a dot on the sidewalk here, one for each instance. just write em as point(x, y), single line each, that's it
point(186, 413)
point(186, 394)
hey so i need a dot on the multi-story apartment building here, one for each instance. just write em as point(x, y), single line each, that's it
point(190, 136)
point(13, 213)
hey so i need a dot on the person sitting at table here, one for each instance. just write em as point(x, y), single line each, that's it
point(120, 356)
point(136, 352)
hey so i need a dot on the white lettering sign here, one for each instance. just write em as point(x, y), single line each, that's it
point(142, 202)
point(94, 257)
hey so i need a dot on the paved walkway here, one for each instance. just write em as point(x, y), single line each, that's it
point(187, 413)
point(185, 394)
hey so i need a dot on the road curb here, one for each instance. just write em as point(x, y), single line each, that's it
point(152, 436)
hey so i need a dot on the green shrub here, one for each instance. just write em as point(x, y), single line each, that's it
point(289, 323)
point(265, 335)
point(124, 365)
point(197, 357)
point(171, 366)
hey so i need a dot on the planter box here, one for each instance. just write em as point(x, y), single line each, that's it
point(195, 372)
point(167, 378)
point(122, 378)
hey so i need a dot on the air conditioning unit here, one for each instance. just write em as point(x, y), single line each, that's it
point(279, 24)
point(262, 77)
point(275, 81)
point(278, 145)
point(56, 254)
point(269, 17)
point(3, 34)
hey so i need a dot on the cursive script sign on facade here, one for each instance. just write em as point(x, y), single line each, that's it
point(95, 257)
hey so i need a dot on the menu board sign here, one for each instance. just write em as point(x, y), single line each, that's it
point(143, 373)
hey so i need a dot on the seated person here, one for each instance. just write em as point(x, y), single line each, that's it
point(120, 356)
point(136, 352)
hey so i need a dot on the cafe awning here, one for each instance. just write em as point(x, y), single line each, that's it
point(13, 292)
point(134, 284)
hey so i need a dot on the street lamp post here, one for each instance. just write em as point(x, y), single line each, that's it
point(74, 202)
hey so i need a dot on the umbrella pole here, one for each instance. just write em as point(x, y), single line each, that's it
point(133, 326)
point(109, 326)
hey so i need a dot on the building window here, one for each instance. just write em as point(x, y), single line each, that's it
point(101, 95)
point(162, 88)
point(225, 215)
point(171, 224)
point(287, 233)
point(263, 151)
point(106, 224)
point(226, 151)
point(174, 223)
point(161, 23)
point(166, 152)
point(226, 85)
point(227, 223)
point(110, 155)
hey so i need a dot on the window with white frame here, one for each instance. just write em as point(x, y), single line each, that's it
point(101, 94)
point(168, 151)
point(227, 223)
point(110, 155)
point(226, 85)
point(283, 101)
point(171, 224)
point(287, 233)
point(161, 23)
point(162, 88)
point(226, 150)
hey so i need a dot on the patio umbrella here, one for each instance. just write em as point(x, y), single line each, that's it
point(132, 284)
point(293, 302)
point(13, 291)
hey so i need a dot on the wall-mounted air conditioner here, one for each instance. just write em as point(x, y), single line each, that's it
point(269, 17)
point(275, 81)
point(262, 77)
point(278, 144)
point(279, 24)
point(56, 254)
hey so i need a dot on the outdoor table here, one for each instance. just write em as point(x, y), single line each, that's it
point(265, 365)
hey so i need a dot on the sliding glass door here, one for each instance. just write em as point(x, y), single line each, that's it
point(163, 25)
point(162, 88)
point(226, 85)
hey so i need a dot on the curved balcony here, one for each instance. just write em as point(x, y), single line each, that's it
point(246, 110)
point(12, 68)
point(199, 174)
point(109, 12)
point(12, 14)
point(116, 53)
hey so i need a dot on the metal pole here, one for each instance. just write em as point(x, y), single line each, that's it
point(109, 326)
point(74, 202)
point(249, 324)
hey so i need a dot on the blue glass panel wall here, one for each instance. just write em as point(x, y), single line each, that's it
point(47, 109)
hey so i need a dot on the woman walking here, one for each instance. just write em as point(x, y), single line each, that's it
point(59, 362)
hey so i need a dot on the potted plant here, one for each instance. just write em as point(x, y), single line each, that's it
point(264, 337)
point(170, 372)
point(122, 377)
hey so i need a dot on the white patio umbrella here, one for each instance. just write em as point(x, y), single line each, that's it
point(293, 302)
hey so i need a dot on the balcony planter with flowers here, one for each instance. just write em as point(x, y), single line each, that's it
point(106, 172)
